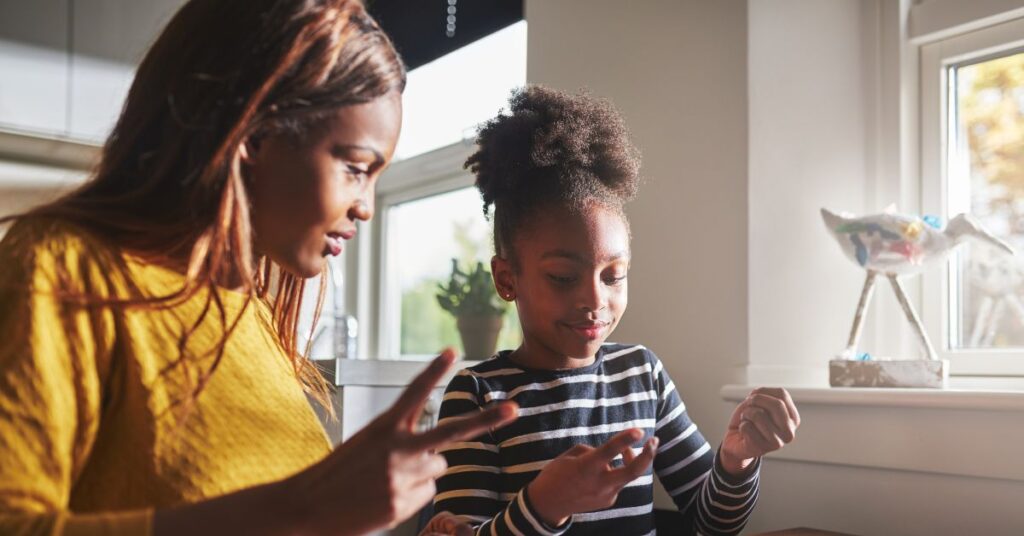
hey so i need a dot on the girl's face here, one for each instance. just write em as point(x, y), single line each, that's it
point(569, 283)
point(307, 192)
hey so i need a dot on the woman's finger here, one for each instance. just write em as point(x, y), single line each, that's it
point(409, 406)
point(466, 427)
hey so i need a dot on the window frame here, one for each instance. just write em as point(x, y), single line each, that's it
point(432, 173)
point(938, 297)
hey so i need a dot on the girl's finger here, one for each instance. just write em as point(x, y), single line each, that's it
point(638, 465)
point(763, 421)
point(755, 438)
point(783, 395)
point(621, 441)
point(577, 450)
point(776, 409)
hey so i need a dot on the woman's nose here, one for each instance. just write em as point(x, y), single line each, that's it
point(362, 208)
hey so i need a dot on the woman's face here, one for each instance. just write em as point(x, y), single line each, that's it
point(308, 191)
point(569, 283)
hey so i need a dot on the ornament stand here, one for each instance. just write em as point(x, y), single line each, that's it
point(849, 371)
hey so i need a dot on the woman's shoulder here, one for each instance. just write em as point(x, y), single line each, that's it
point(39, 250)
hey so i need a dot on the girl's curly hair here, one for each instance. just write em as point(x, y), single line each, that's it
point(552, 149)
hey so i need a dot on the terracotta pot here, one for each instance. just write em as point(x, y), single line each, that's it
point(479, 335)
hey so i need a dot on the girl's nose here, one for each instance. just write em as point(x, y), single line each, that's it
point(593, 296)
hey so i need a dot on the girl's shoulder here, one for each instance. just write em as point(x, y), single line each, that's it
point(632, 354)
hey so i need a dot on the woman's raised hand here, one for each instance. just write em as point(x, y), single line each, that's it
point(385, 473)
point(583, 479)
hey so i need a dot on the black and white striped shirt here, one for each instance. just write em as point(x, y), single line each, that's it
point(625, 387)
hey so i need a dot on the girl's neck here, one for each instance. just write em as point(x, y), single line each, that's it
point(539, 356)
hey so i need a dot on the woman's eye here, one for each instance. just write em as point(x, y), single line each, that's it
point(357, 172)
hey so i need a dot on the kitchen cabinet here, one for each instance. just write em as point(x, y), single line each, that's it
point(34, 66)
point(66, 65)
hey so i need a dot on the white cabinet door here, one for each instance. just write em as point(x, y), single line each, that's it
point(34, 66)
point(110, 39)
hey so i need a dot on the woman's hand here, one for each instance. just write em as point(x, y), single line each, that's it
point(385, 473)
point(764, 422)
point(446, 524)
point(582, 479)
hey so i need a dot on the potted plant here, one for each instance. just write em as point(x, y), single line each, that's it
point(470, 297)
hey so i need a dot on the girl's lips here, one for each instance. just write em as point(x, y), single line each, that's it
point(590, 331)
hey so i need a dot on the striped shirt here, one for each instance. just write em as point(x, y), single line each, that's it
point(625, 387)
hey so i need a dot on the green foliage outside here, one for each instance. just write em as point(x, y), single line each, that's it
point(426, 327)
point(990, 99)
point(470, 292)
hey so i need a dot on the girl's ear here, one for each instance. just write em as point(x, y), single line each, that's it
point(504, 282)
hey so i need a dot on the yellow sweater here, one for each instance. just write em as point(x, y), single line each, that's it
point(89, 441)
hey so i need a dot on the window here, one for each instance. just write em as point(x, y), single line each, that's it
point(986, 179)
point(424, 236)
point(972, 121)
point(446, 99)
point(428, 210)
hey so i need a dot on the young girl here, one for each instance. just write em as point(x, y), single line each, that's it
point(150, 380)
point(557, 170)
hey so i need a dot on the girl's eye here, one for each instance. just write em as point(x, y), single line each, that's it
point(615, 280)
point(563, 280)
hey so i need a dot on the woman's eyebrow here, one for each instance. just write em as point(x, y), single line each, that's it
point(377, 156)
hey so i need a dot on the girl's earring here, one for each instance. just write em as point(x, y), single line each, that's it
point(508, 296)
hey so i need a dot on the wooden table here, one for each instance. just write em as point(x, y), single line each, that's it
point(802, 531)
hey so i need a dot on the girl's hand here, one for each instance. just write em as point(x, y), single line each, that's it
point(582, 479)
point(764, 422)
point(385, 473)
point(446, 524)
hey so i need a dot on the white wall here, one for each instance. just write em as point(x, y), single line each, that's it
point(677, 71)
point(751, 116)
point(825, 111)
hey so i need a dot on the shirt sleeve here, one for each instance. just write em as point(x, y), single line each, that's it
point(712, 501)
point(471, 487)
point(53, 365)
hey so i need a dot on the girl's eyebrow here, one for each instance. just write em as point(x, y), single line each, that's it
point(576, 257)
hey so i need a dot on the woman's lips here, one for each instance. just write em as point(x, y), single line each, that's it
point(334, 245)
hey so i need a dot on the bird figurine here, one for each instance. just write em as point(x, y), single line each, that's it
point(894, 245)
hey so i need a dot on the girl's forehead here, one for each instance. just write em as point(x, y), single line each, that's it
point(594, 235)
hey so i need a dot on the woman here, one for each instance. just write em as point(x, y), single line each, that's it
point(150, 379)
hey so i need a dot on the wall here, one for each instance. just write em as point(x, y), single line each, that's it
point(828, 97)
point(677, 71)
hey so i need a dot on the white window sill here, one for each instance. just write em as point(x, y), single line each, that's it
point(953, 398)
point(962, 432)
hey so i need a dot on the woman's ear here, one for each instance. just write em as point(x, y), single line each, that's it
point(504, 282)
point(247, 150)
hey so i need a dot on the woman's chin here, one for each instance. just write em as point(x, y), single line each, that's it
point(303, 267)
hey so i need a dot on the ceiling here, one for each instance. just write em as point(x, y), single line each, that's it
point(419, 27)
